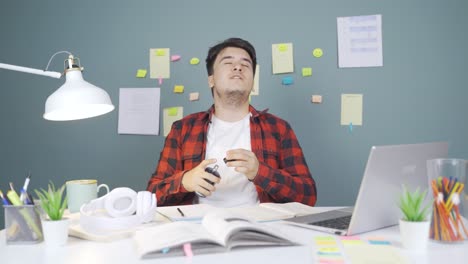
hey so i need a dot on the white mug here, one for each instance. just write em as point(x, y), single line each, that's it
point(80, 192)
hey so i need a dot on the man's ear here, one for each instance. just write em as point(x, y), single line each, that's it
point(211, 81)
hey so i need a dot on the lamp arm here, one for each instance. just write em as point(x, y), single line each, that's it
point(30, 70)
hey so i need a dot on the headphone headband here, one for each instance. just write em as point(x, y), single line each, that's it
point(122, 208)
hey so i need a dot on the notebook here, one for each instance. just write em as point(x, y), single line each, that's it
point(376, 206)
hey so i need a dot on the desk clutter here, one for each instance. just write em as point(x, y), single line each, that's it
point(337, 250)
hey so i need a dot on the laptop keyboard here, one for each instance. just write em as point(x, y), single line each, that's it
point(335, 223)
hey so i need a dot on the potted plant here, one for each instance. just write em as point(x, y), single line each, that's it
point(55, 227)
point(414, 226)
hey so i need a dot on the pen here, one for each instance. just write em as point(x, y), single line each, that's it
point(4, 199)
point(24, 197)
point(180, 211)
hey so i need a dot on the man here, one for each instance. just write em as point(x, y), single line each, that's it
point(256, 154)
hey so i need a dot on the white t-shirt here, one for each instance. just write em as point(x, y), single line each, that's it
point(234, 189)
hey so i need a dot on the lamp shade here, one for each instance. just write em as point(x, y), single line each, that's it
point(77, 99)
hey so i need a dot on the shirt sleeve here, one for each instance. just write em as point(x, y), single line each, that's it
point(166, 181)
point(288, 179)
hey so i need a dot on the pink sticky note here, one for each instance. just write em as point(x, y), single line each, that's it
point(188, 250)
point(160, 80)
point(175, 57)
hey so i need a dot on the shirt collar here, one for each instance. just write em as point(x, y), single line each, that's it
point(254, 112)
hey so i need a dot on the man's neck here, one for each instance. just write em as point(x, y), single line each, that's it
point(230, 113)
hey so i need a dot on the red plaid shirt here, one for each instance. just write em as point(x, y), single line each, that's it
point(283, 175)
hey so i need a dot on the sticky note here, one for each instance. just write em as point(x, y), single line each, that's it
point(329, 249)
point(175, 57)
point(170, 115)
point(188, 250)
point(141, 73)
point(288, 80)
point(194, 96)
point(316, 99)
point(317, 52)
point(194, 61)
point(282, 47)
point(160, 52)
point(321, 238)
point(306, 72)
point(172, 111)
point(178, 88)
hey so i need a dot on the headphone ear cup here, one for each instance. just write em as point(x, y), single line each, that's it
point(140, 203)
point(121, 202)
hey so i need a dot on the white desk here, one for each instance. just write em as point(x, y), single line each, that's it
point(123, 251)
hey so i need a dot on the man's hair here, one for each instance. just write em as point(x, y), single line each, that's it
point(231, 42)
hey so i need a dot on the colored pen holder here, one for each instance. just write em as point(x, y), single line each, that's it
point(22, 224)
point(447, 223)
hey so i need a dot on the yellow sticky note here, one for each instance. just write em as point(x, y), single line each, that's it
point(141, 73)
point(194, 61)
point(178, 89)
point(160, 52)
point(306, 72)
point(172, 111)
point(283, 47)
point(329, 249)
point(317, 52)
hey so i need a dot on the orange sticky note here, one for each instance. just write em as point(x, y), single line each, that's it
point(194, 96)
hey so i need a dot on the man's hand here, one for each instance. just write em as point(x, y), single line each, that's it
point(244, 162)
point(194, 179)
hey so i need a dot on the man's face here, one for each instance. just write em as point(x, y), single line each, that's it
point(232, 74)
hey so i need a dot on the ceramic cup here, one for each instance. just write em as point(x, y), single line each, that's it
point(80, 192)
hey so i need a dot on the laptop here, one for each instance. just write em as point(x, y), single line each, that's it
point(387, 169)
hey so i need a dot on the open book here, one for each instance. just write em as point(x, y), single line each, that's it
point(219, 231)
point(262, 212)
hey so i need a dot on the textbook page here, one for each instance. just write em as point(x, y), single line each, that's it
point(193, 212)
point(219, 231)
point(168, 240)
point(292, 208)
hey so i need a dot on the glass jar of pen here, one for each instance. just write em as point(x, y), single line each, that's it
point(450, 205)
point(22, 218)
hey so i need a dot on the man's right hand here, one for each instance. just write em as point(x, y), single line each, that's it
point(194, 179)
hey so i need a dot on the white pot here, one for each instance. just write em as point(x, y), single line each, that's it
point(414, 235)
point(55, 232)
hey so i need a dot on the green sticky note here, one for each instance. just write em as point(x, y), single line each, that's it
point(283, 47)
point(318, 52)
point(172, 111)
point(306, 72)
point(141, 73)
point(194, 61)
point(160, 52)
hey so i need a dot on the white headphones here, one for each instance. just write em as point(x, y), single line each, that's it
point(120, 209)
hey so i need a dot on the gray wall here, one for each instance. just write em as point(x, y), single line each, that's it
point(418, 96)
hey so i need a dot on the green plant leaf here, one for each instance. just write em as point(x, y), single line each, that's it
point(52, 201)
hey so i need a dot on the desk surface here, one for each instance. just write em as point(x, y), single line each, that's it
point(123, 251)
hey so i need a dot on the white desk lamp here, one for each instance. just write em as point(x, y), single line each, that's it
point(76, 98)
